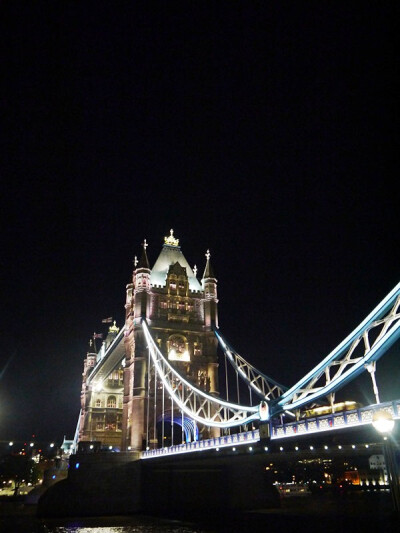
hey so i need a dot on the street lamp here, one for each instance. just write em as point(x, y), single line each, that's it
point(383, 422)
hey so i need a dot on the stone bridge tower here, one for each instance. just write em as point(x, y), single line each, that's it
point(181, 312)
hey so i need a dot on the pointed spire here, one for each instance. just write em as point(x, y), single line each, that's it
point(208, 271)
point(144, 262)
point(195, 271)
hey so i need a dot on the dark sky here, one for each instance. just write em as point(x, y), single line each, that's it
point(264, 131)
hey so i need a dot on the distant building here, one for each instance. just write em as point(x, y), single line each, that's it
point(181, 312)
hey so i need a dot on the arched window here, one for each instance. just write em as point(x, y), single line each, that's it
point(98, 402)
point(177, 348)
point(111, 401)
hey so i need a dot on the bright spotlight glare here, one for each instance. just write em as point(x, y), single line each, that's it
point(383, 422)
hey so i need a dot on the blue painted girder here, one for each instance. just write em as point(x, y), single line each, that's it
point(384, 308)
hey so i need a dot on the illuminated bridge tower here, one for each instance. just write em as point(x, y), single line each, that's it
point(181, 313)
point(101, 407)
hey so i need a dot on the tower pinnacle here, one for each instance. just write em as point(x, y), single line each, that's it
point(208, 272)
point(171, 241)
point(143, 262)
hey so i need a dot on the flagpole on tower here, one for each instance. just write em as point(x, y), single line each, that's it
point(96, 336)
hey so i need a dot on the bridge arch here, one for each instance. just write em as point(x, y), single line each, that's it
point(188, 426)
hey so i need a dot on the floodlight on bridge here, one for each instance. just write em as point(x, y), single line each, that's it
point(383, 422)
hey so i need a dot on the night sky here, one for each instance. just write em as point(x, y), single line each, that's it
point(264, 131)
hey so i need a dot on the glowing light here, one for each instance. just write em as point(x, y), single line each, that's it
point(325, 447)
point(281, 448)
point(31, 444)
point(383, 422)
point(250, 448)
point(264, 411)
point(234, 449)
point(77, 465)
point(339, 447)
point(296, 448)
point(10, 443)
point(311, 447)
point(266, 448)
point(52, 445)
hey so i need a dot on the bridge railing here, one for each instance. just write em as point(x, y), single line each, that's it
point(201, 445)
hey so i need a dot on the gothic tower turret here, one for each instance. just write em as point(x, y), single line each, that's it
point(137, 307)
point(209, 284)
point(88, 365)
point(141, 284)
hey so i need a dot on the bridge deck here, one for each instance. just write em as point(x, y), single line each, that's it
point(320, 424)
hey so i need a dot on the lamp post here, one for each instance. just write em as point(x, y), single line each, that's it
point(384, 423)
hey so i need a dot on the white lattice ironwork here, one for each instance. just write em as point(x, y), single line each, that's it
point(261, 384)
point(358, 351)
point(197, 404)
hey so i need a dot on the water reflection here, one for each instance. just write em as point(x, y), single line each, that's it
point(29, 523)
point(155, 528)
point(143, 526)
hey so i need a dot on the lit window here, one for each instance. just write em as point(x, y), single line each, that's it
point(177, 348)
point(111, 401)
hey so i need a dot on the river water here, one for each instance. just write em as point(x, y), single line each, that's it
point(364, 512)
point(26, 522)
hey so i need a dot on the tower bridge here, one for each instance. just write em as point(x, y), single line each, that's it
point(191, 427)
point(153, 387)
